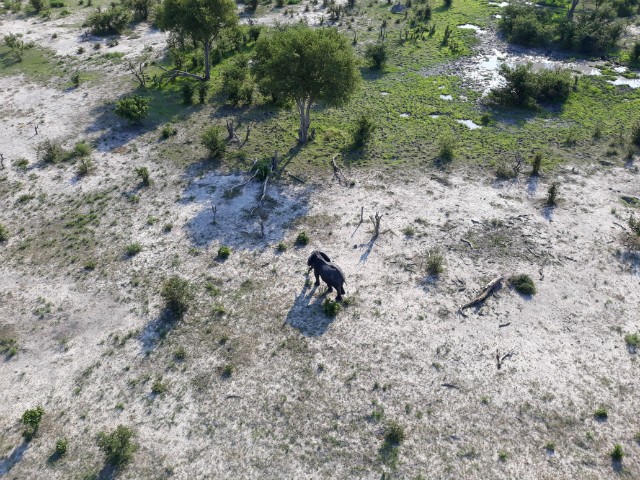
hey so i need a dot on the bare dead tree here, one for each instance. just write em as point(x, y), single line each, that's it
point(501, 358)
point(517, 167)
point(1, 161)
point(375, 220)
point(214, 209)
point(171, 74)
point(138, 72)
point(246, 137)
point(338, 173)
point(361, 215)
point(231, 130)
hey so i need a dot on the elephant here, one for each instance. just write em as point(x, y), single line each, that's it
point(329, 272)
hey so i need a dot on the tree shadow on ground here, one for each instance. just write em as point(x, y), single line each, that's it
point(155, 331)
point(7, 463)
point(532, 185)
point(306, 313)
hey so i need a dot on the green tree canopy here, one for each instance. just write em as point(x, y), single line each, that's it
point(306, 65)
point(200, 20)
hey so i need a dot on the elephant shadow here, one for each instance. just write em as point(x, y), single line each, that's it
point(7, 463)
point(307, 315)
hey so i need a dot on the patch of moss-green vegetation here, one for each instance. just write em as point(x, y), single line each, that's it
point(36, 63)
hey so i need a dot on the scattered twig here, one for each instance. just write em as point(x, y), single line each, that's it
point(214, 209)
point(179, 73)
point(500, 359)
point(231, 131)
point(491, 286)
point(138, 72)
point(451, 385)
point(502, 325)
point(1, 161)
point(467, 242)
point(361, 214)
point(375, 220)
point(533, 253)
point(242, 184)
point(338, 173)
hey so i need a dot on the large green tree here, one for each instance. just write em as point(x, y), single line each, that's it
point(200, 20)
point(306, 65)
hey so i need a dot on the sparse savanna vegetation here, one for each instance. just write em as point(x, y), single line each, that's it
point(167, 167)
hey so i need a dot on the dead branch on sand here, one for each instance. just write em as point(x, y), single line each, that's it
point(491, 286)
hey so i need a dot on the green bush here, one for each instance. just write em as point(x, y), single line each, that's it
point(237, 82)
point(85, 166)
point(31, 420)
point(617, 453)
point(4, 233)
point(394, 434)
point(168, 130)
point(111, 21)
point(212, 140)
point(446, 148)
point(302, 238)
point(140, 8)
point(526, 25)
point(363, 131)
point(634, 53)
point(434, 261)
point(81, 149)
point(188, 89)
point(523, 284)
point(143, 175)
point(224, 252)
point(526, 87)
point(632, 340)
point(38, 5)
point(593, 32)
point(51, 151)
point(61, 447)
point(177, 294)
point(14, 42)
point(635, 134)
point(56, 4)
point(601, 413)
point(331, 308)
point(134, 108)
point(118, 445)
point(376, 55)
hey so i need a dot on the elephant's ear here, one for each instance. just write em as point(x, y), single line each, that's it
point(325, 256)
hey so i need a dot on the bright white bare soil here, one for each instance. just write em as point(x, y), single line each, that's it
point(309, 395)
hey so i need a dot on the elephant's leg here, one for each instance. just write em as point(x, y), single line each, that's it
point(317, 278)
point(329, 288)
point(339, 296)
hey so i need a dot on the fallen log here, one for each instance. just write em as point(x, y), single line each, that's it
point(491, 286)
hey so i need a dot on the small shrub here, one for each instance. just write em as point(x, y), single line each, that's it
point(635, 134)
point(331, 308)
point(523, 284)
point(617, 453)
point(601, 413)
point(188, 89)
point(504, 171)
point(158, 388)
point(111, 21)
point(168, 130)
point(85, 166)
point(38, 5)
point(552, 195)
point(4, 233)
point(133, 249)
point(376, 55)
point(224, 252)
point(203, 88)
point(525, 87)
point(485, 119)
point(434, 262)
point(634, 225)
point(302, 239)
point(537, 163)
point(134, 108)
point(81, 149)
point(177, 294)
point(446, 149)
point(363, 131)
point(237, 82)
point(632, 340)
point(227, 370)
point(118, 445)
point(503, 456)
point(394, 434)
point(22, 164)
point(61, 447)
point(31, 420)
point(212, 140)
point(51, 151)
point(143, 175)
point(281, 247)
point(180, 353)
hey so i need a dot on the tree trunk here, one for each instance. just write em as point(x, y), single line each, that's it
point(574, 4)
point(304, 106)
point(207, 60)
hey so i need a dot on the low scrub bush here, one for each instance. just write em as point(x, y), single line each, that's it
point(376, 55)
point(213, 141)
point(632, 340)
point(331, 307)
point(168, 130)
point(552, 195)
point(526, 87)
point(601, 413)
point(523, 284)
point(108, 22)
point(118, 445)
point(143, 175)
point(4, 233)
point(51, 151)
point(363, 131)
point(85, 166)
point(133, 249)
point(302, 239)
point(617, 453)
point(82, 149)
point(31, 421)
point(177, 294)
point(446, 149)
point(434, 262)
point(17, 45)
point(224, 252)
point(61, 447)
point(593, 32)
point(134, 108)
point(188, 89)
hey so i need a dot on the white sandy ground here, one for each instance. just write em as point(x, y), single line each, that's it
point(299, 402)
